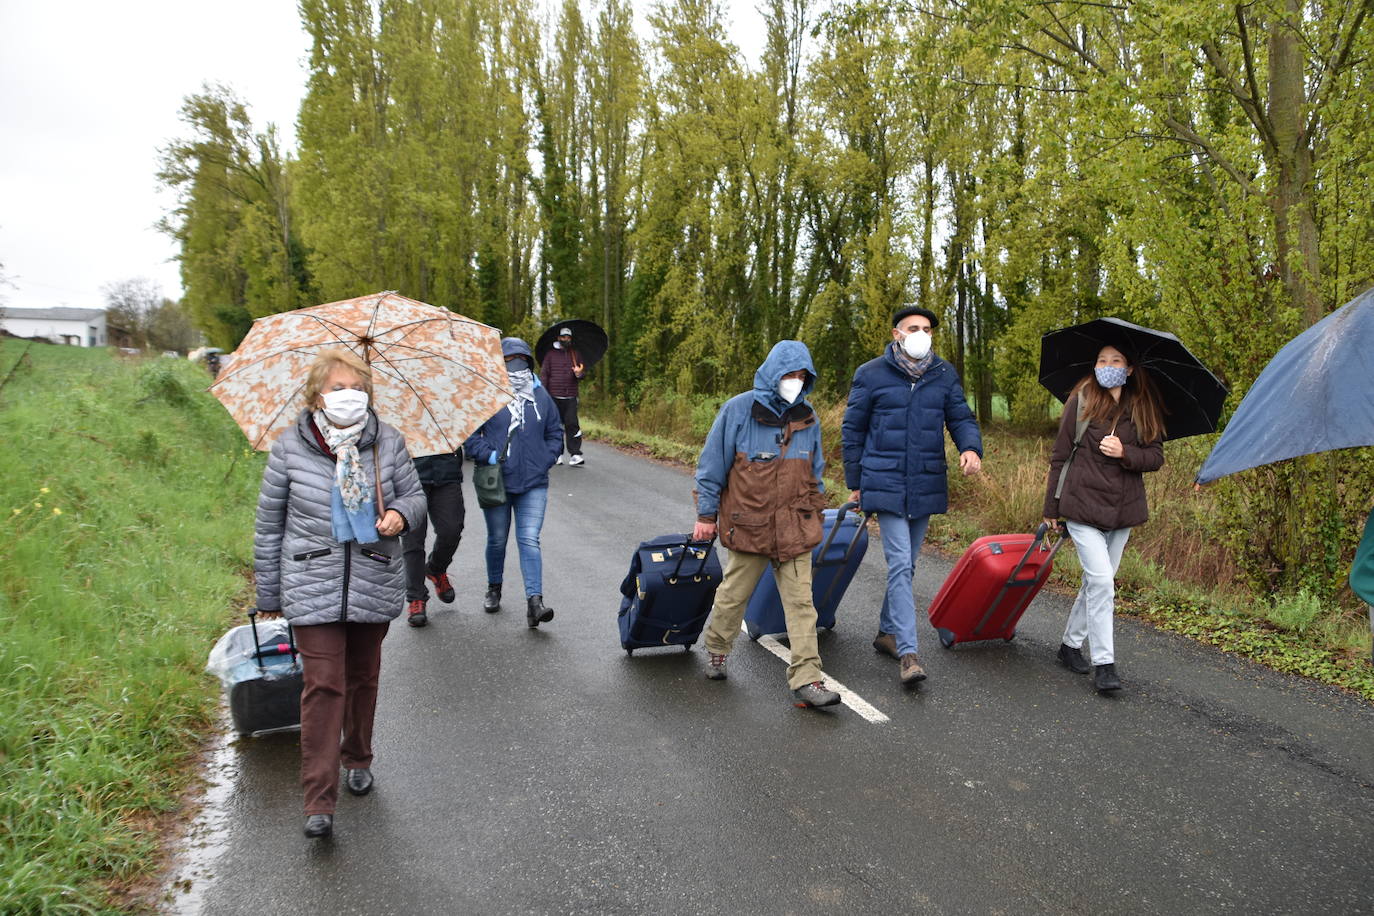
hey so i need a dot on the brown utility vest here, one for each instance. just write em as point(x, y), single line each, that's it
point(772, 507)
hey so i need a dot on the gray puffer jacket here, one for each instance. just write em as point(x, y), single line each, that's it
point(301, 569)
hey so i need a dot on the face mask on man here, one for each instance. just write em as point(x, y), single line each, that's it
point(916, 344)
point(521, 377)
point(789, 388)
point(1110, 376)
point(346, 406)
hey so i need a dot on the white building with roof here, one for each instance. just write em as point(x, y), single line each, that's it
point(77, 327)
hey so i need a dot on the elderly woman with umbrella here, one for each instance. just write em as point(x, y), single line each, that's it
point(1111, 435)
point(340, 488)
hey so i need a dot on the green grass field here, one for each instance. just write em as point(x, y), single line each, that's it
point(127, 500)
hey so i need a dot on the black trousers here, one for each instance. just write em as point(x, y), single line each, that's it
point(446, 511)
point(572, 430)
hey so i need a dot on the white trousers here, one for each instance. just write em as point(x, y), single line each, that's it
point(1099, 553)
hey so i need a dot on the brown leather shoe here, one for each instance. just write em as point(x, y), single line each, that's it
point(886, 643)
point(911, 669)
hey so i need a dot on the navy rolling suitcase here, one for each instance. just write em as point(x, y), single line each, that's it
point(668, 593)
point(833, 564)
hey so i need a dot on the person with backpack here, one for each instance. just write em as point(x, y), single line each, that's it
point(1110, 436)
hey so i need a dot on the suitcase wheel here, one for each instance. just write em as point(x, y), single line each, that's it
point(630, 652)
point(946, 638)
point(687, 648)
point(752, 629)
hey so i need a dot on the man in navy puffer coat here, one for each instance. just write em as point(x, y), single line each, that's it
point(894, 461)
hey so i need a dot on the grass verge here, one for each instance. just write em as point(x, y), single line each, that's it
point(1173, 574)
point(127, 503)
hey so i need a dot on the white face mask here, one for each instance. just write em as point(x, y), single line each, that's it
point(916, 344)
point(346, 406)
point(789, 388)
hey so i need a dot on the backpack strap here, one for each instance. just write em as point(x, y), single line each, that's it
point(1079, 428)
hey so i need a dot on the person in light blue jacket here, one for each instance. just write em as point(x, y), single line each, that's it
point(535, 435)
point(893, 437)
point(758, 484)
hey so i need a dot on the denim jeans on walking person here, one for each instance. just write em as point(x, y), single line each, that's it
point(1099, 553)
point(902, 540)
point(528, 508)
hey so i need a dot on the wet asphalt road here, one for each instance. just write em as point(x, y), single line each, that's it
point(543, 771)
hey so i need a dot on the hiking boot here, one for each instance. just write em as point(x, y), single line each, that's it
point(815, 694)
point(715, 667)
point(886, 643)
point(537, 613)
point(1105, 679)
point(442, 587)
point(911, 670)
point(576, 461)
point(415, 613)
point(492, 602)
point(1073, 659)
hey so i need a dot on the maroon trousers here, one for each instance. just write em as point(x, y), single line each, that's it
point(342, 664)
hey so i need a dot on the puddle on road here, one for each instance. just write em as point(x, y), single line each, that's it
point(192, 871)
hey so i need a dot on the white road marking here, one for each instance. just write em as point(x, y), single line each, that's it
point(847, 696)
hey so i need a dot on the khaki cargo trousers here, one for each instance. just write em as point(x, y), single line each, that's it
point(742, 573)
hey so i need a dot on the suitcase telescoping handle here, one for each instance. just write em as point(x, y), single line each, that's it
point(1013, 580)
point(859, 532)
point(687, 546)
point(257, 647)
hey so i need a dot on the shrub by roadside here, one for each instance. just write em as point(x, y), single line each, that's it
point(127, 499)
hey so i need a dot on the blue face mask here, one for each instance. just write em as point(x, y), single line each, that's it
point(1110, 376)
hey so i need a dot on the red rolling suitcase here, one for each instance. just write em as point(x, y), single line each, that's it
point(992, 584)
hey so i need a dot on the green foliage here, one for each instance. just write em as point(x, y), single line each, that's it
point(1016, 168)
point(128, 519)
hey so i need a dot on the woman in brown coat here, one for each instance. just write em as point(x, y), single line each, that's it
point(1103, 495)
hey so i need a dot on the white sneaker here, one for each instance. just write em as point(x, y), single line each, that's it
point(575, 460)
point(560, 460)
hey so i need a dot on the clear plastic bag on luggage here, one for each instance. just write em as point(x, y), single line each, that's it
point(233, 660)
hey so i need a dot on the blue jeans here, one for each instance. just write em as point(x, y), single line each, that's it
point(902, 540)
point(529, 518)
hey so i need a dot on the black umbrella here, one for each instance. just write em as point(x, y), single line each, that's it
point(589, 342)
point(1192, 395)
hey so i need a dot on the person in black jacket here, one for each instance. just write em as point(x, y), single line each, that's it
point(442, 479)
point(525, 438)
point(1103, 496)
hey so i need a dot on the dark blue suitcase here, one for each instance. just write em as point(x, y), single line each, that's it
point(833, 564)
point(668, 593)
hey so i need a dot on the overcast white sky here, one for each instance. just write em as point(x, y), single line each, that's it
point(89, 92)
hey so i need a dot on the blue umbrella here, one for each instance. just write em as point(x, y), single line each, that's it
point(1316, 395)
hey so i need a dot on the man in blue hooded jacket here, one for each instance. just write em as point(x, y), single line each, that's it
point(893, 437)
point(758, 484)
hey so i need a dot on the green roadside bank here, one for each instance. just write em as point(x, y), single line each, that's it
point(1318, 643)
point(127, 497)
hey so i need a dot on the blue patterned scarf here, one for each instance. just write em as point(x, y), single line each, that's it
point(353, 509)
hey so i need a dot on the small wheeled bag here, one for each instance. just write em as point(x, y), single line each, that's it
point(668, 593)
point(262, 675)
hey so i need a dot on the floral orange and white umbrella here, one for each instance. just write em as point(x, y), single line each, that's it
point(436, 376)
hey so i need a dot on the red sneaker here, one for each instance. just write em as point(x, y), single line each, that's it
point(442, 587)
point(416, 612)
